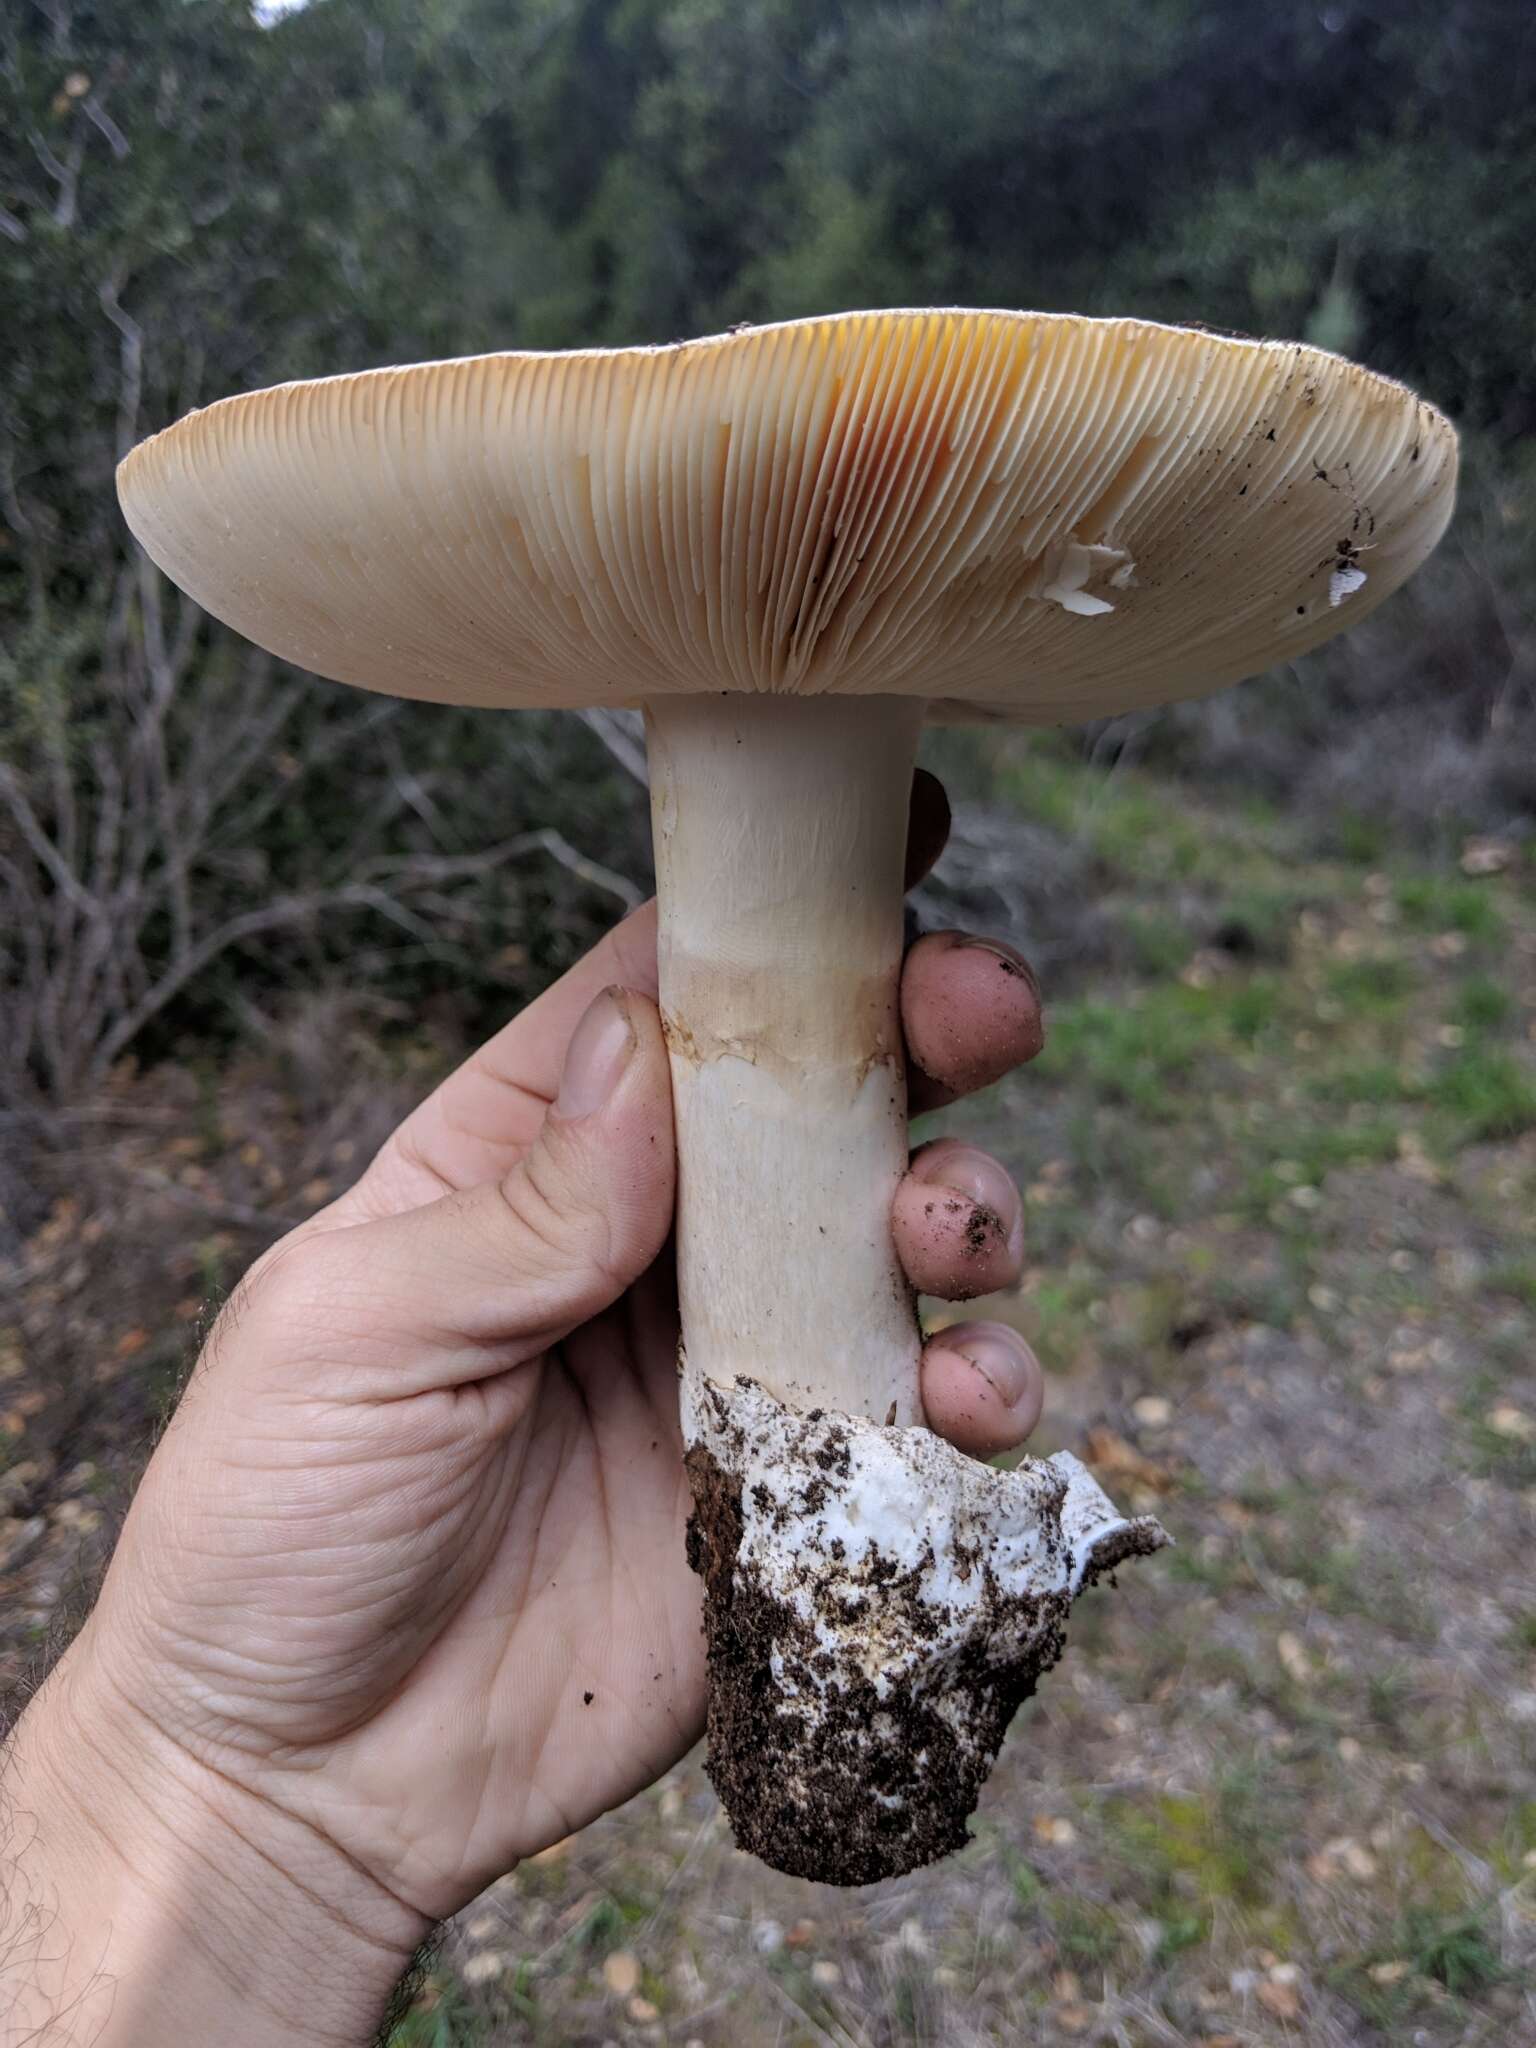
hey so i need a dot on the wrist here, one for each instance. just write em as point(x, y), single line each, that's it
point(149, 1897)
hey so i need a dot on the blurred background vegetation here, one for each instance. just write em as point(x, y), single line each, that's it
point(193, 203)
point(1280, 1154)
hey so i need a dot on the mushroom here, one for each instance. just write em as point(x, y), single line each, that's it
point(790, 545)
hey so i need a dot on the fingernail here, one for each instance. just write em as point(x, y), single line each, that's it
point(979, 1176)
point(1009, 959)
point(596, 1057)
point(1003, 1360)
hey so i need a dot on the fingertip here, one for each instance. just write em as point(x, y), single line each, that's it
point(983, 1388)
point(958, 1222)
point(971, 1012)
point(927, 825)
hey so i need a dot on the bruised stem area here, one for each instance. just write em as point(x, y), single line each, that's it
point(780, 829)
point(876, 1605)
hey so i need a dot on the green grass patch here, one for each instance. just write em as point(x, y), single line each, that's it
point(1515, 1842)
point(1135, 826)
point(1359, 838)
point(1390, 1696)
point(1430, 903)
point(1218, 1569)
point(1483, 1004)
point(1157, 943)
point(1370, 988)
point(1515, 1277)
point(1493, 1453)
point(1088, 1936)
point(1150, 1048)
point(1459, 1952)
point(1196, 1852)
point(1490, 1094)
point(1307, 1153)
point(440, 2017)
point(1054, 1314)
point(1372, 1082)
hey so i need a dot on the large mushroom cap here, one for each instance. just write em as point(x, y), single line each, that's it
point(1026, 515)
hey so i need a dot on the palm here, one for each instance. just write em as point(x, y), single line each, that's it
point(571, 1672)
point(514, 1646)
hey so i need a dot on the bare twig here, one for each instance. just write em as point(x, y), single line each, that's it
point(623, 734)
point(422, 868)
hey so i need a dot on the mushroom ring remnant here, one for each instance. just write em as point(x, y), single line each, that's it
point(790, 545)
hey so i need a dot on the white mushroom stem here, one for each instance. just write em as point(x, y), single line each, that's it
point(780, 826)
point(875, 1604)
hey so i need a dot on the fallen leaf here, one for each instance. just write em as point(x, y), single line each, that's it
point(483, 1926)
point(1388, 1973)
point(1049, 1828)
point(641, 2009)
point(801, 1935)
point(1152, 1411)
point(1486, 856)
point(1292, 1654)
point(74, 1514)
point(17, 1538)
point(486, 1967)
point(1074, 2019)
point(1505, 1420)
point(130, 1343)
point(1116, 1459)
point(826, 1974)
point(621, 1973)
point(1283, 2000)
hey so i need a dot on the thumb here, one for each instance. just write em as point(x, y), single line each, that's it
point(492, 1275)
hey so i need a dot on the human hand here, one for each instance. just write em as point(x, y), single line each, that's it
point(402, 1597)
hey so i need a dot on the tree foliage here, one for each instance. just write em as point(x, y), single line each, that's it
point(192, 203)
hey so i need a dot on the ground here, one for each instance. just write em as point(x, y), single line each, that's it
point(1280, 1161)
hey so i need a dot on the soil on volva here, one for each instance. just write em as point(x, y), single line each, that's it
point(882, 1775)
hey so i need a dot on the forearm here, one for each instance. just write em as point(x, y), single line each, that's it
point(143, 1898)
